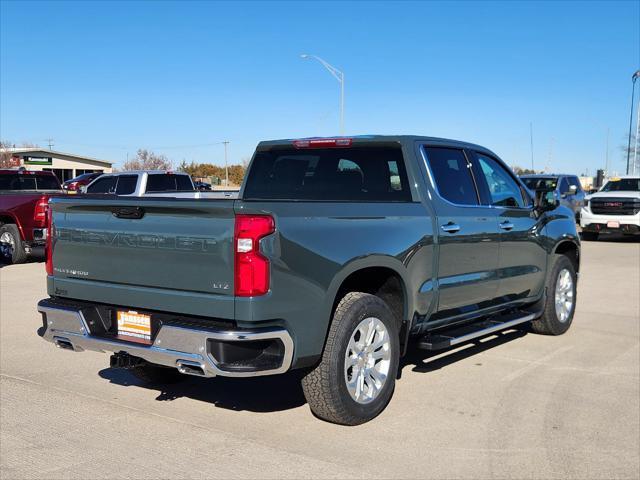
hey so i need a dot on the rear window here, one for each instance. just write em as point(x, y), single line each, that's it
point(169, 183)
point(19, 181)
point(536, 183)
point(334, 174)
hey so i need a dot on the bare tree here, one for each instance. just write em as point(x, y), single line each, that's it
point(147, 160)
point(6, 155)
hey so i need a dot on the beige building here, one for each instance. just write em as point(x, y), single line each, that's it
point(65, 165)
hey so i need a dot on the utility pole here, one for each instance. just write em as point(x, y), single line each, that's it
point(50, 142)
point(635, 147)
point(531, 137)
point(606, 164)
point(226, 166)
point(635, 76)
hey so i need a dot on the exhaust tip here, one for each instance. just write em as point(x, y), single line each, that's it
point(190, 368)
point(63, 343)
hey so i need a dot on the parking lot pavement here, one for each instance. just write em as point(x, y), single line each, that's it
point(515, 406)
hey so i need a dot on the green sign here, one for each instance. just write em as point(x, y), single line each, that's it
point(37, 160)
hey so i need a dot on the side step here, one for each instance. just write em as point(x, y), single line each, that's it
point(456, 336)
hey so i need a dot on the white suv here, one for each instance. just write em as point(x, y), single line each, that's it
point(614, 208)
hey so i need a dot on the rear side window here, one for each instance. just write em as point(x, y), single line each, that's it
point(168, 183)
point(374, 174)
point(126, 184)
point(28, 182)
point(102, 185)
point(452, 174)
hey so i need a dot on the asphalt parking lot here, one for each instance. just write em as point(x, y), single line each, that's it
point(516, 405)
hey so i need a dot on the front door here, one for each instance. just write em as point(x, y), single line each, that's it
point(522, 263)
point(468, 238)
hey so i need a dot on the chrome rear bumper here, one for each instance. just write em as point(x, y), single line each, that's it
point(186, 349)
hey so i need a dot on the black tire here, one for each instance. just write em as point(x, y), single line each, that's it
point(549, 323)
point(17, 255)
point(157, 374)
point(325, 386)
point(590, 236)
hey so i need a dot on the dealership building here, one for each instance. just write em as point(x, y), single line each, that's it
point(65, 165)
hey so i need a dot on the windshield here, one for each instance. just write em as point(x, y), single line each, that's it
point(535, 183)
point(622, 185)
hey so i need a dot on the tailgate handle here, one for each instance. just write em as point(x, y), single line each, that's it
point(128, 212)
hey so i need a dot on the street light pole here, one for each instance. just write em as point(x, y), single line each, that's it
point(338, 75)
point(633, 91)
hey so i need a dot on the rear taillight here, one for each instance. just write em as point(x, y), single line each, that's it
point(49, 242)
point(72, 186)
point(251, 267)
point(323, 142)
point(40, 212)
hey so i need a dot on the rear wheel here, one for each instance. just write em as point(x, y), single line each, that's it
point(11, 249)
point(589, 236)
point(156, 374)
point(561, 298)
point(356, 377)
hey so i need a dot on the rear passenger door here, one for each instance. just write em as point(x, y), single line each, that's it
point(468, 238)
point(523, 257)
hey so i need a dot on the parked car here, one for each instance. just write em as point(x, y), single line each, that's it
point(24, 198)
point(614, 208)
point(337, 252)
point(567, 188)
point(202, 185)
point(73, 185)
point(140, 183)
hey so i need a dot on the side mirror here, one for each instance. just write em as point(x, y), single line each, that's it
point(546, 200)
point(83, 189)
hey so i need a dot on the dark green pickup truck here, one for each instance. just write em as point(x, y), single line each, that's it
point(337, 253)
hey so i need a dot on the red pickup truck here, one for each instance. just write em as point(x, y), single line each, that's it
point(24, 203)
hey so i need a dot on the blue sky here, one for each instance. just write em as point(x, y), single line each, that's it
point(104, 79)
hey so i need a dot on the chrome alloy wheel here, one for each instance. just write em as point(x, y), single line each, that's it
point(564, 295)
point(367, 360)
point(7, 245)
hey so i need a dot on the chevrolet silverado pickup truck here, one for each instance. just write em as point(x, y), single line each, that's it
point(24, 197)
point(615, 208)
point(337, 253)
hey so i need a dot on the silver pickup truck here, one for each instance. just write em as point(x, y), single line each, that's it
point(151, 183)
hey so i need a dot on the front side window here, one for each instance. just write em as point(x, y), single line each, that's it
point(503, 189)
point(575, 182)
point(452, 175)
point(102, 185)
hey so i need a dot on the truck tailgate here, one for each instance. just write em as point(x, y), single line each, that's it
point(161, 254)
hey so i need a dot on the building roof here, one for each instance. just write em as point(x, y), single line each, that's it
point(55, 153)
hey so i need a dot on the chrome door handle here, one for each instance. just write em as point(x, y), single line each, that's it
point(506, 225)
point(451, 227)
